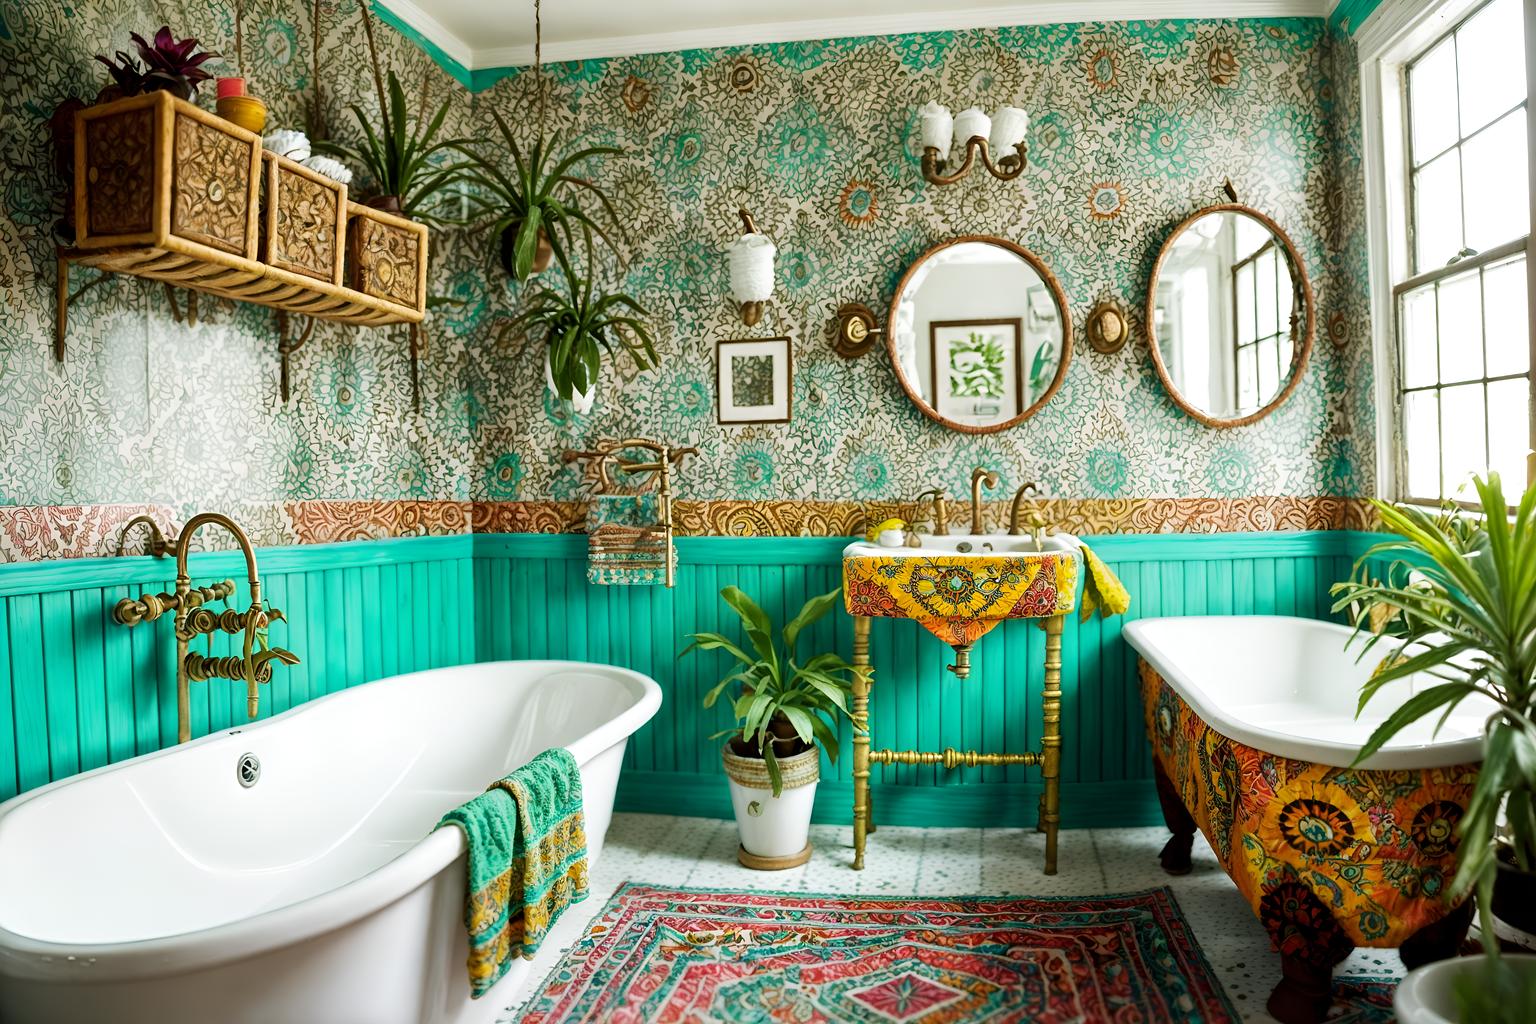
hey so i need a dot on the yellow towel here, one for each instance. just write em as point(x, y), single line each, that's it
point(1102, 590)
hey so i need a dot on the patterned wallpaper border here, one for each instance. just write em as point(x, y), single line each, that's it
point(40, 532)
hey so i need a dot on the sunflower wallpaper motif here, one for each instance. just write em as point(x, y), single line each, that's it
point(1134, 126)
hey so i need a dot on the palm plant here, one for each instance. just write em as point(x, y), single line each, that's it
point(399, 156)
point(1468, 618)
point(535, 204)
point(779, 700)
point(578, 325)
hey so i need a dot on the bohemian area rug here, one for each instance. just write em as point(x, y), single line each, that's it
point(689, 956)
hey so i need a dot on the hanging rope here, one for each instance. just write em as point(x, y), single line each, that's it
point(239, 40)
point(373, 53)
point(538, 60)
point(316, 128)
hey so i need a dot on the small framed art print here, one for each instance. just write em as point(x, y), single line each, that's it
point(754, 378)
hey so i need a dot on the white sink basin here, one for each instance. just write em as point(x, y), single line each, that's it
point(977, 544)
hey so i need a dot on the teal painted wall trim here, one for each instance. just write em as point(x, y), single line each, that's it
point(78, 691)
point(473, 80)
point(1351, 14)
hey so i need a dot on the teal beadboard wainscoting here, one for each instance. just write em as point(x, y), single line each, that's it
point(78, 691)
point(533, 601)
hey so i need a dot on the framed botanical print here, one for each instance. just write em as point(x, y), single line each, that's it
point(978, 371)
point(754, 377)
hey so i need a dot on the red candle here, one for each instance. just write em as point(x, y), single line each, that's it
point(231, 87)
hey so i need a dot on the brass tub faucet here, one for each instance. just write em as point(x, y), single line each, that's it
point(980, 476)
point(253, 665)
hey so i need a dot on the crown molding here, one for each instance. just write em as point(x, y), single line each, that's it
point(475, 64)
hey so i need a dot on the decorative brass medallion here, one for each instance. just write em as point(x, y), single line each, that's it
point(1108, 327)
point(855, 331)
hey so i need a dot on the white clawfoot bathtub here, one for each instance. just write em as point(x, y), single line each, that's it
point(163, 890)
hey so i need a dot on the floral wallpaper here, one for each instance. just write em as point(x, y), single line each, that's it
point(1135, 125)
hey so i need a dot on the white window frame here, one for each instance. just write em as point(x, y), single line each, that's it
point(1397, 32)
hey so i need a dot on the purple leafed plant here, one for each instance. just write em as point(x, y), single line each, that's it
point(170, 64)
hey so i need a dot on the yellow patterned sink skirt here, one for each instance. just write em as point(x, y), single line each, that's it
point(958, 598)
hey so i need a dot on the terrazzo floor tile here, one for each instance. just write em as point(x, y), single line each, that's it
point(701, 853)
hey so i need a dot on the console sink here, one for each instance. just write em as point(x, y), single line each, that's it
point(960, 586)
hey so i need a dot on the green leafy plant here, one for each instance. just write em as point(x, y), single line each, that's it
point(779, 699)
point(1465, 610)
point(578, 325)
point(538, 197)
point(399, 155)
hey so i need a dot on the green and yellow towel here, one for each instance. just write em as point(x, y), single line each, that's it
point(527, 862)
point(1102, 590)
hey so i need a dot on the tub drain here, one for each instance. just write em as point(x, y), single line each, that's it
point(248, 770)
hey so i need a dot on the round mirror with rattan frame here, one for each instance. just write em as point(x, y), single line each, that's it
point(1301, 348)
point(1057, 295)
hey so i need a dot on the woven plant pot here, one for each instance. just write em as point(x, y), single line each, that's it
point(775, 830)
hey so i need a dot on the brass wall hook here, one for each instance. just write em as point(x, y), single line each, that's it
point(287, 345)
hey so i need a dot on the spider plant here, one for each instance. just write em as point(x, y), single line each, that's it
point(780, 701)
point(578, 325)
point(535, 205)
point(1467, 611)
point(399, 157)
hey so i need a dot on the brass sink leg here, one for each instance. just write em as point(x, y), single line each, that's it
point(861, 678)
point(1050, 742)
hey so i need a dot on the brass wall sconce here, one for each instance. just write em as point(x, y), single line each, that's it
point(983, 137)
point(855, 330)
point(751, 265)
point(1109, 328)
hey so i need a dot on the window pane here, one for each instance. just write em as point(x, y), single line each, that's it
point(1247, 379)
point(1264, 273)
point(1463, 434)
point(1509, 434)
point(1432, 97)
point(1420, 365)
point(1437, 211)
point(1461, 328)
point(1497, 203)
point(1509, 346)
point(1244, 300)
point(1421, 440)
point(1269, 369)
point(1490, 61)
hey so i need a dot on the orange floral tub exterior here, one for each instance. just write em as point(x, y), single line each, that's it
point(1329, 858)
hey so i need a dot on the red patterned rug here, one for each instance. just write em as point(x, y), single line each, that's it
point(689, 956)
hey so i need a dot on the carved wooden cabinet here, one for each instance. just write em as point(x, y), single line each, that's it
point(387, 256)
point(152, 167)
point(304, 219)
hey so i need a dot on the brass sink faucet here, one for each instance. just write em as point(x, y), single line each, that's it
point(193, 620)
point(1035, 521)
point(940, 510)
point(980, 476)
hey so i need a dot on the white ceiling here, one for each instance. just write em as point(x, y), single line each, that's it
point(481, 34)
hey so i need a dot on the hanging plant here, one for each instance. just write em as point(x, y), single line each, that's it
point(577, 326)
point(399, 157)
point(535, 207)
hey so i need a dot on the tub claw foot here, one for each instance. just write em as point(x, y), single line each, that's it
point(1439, 940)
point(1304, 994)
point(1175, 857)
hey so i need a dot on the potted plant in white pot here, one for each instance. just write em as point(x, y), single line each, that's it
point(1465, 602)
point(783, 710)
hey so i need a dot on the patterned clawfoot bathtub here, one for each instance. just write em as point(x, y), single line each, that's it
point(1253, 728)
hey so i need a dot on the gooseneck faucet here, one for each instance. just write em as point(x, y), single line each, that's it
point(1035, 521)
point(980, 476)
point(940, 510)
point(192, 620)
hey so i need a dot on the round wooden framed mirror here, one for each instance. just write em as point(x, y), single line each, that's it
point(1230, 315)
point(979, 334)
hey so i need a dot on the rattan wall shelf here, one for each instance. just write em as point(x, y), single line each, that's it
point(166, 191)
